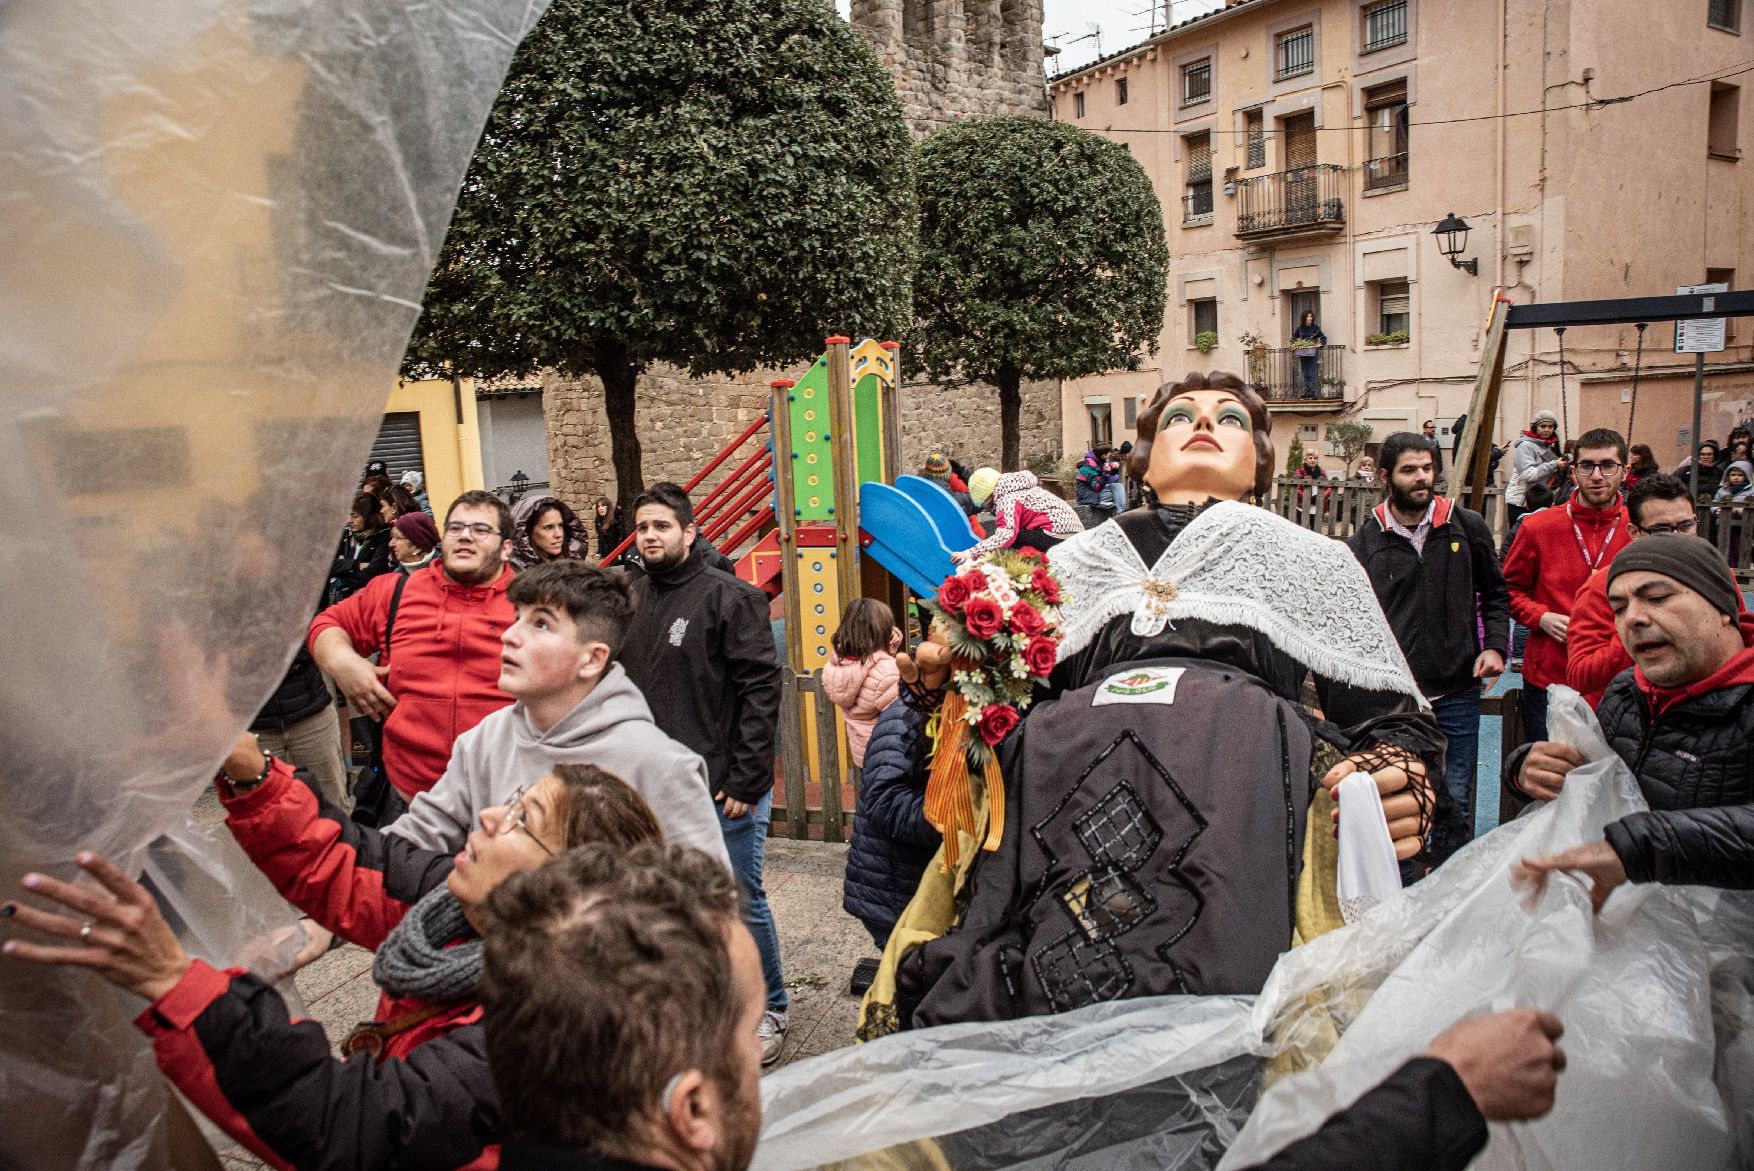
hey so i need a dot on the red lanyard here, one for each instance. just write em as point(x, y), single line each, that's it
point(1595, 562)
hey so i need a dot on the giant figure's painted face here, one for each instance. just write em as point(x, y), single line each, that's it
point(1187, 469)
point(1204, 447)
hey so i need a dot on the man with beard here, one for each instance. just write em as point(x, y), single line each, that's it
point(621, 1000)
point(701, 650)
point(439, 676)
point(1432, 566)
point(1554, 552)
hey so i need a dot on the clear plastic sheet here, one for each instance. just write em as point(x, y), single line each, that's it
point(1657, 995)
point(1633, 986)
point(216, 221)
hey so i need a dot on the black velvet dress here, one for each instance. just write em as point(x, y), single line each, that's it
point(1156, 802)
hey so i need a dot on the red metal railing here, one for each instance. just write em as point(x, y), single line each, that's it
point(731, 501)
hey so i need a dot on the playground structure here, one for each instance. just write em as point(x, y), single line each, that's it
point(814, 512)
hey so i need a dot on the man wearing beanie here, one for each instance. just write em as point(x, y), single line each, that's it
point(1553, 554)
point(1682, 719)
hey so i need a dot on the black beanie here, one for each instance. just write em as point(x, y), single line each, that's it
point(1692, 561)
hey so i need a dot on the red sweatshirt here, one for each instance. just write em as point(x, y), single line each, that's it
point(444, 663)
point(1546, 567)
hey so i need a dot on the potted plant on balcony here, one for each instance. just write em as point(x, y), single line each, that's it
point(1256, 347)
point(1206, 341)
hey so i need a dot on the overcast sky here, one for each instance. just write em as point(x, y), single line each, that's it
point(1070, 23)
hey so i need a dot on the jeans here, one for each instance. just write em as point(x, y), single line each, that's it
point(1311, 369)
point(1117, 494)
point(746, 842)
point(313, 743)
point(1533, 703)
point(1458, 718)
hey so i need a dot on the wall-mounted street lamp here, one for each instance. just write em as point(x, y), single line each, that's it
point(1452, 241)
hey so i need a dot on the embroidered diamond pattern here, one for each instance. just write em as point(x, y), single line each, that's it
point(1075, 971)
point(1119, 832)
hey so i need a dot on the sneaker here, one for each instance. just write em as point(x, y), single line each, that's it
point(772, 1032)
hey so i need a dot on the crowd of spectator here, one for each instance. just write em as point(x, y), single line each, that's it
point(584, 741)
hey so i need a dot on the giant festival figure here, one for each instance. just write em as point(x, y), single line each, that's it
point(1168, 809)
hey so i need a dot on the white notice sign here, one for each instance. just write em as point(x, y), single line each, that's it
point(1700, 335)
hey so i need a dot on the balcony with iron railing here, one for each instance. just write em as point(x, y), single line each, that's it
point(1387, 173)
point(1279, 376)
point(1300, 202)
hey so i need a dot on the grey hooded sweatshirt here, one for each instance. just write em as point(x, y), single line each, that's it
point(611, 728)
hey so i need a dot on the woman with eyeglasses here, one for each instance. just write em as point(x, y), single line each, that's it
point(413, 1088)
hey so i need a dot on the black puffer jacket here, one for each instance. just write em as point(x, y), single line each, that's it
point(1695, 765)
point(300, 696)
point(893, 843)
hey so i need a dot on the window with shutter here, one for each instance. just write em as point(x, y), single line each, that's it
point(1725, 14)
point(1254, 127)
point(1386, 109)
point(1198, 202)
point(1394, 301)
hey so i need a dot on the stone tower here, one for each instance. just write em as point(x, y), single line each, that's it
point(955, 59)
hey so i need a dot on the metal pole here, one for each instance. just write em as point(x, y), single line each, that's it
point(1698, 400)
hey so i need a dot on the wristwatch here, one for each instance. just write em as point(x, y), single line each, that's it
point(239, 788)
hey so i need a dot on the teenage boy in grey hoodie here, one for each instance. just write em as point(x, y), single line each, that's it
point(575, 705)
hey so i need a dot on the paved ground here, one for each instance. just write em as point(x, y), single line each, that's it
point(819, 943)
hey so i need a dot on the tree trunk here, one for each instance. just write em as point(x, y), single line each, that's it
point(620, 377)
point(1010, 417)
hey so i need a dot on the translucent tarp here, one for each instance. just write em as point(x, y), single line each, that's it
point(1657, 995)
point(216, 221)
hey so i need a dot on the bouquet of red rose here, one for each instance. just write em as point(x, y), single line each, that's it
point(999, 617)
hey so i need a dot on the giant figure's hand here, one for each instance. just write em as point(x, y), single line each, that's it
point(1407, 799)
point(928, 666)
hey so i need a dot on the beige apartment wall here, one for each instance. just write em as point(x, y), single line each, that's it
point(1614, 201)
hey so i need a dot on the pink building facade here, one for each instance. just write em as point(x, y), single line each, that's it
point(1304, 152)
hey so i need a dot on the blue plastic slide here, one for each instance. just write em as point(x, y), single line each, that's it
point(914, 526)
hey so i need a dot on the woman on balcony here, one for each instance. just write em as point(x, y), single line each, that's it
point(1308, 339)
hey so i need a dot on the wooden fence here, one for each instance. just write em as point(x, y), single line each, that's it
point(1334, 508)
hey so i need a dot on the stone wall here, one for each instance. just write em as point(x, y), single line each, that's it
point(955, 59)
point(684, 422)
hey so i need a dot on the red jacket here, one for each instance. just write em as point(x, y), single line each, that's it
point(224, 1038)
point(1545, 568)
point(444, 663)
point(1594, 653)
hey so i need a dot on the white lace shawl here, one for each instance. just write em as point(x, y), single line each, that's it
point(1240, 566)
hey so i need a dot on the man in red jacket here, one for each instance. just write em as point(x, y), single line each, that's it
point(1554, 553)
point(1594, 653)
point(440, 675)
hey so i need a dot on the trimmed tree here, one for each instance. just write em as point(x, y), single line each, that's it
point(1347, 439)
point(1041, 256)
point(715, 184)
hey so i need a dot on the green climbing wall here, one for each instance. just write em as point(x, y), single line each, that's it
point(812, 465)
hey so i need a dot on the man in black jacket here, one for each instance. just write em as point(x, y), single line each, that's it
point(1433, 567)
point(1682, 718)
point(701, 649)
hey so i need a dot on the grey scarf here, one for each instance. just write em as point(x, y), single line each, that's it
point(414, 960)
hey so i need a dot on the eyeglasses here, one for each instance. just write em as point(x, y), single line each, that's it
point(1604, 469)
point(514, 820)
point(457, 528)
point(1686, 526)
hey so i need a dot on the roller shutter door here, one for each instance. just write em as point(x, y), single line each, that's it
point(398, 444)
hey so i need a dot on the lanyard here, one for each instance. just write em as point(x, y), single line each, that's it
point(1595, 562)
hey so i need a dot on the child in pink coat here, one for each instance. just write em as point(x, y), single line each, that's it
point(861, 677)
